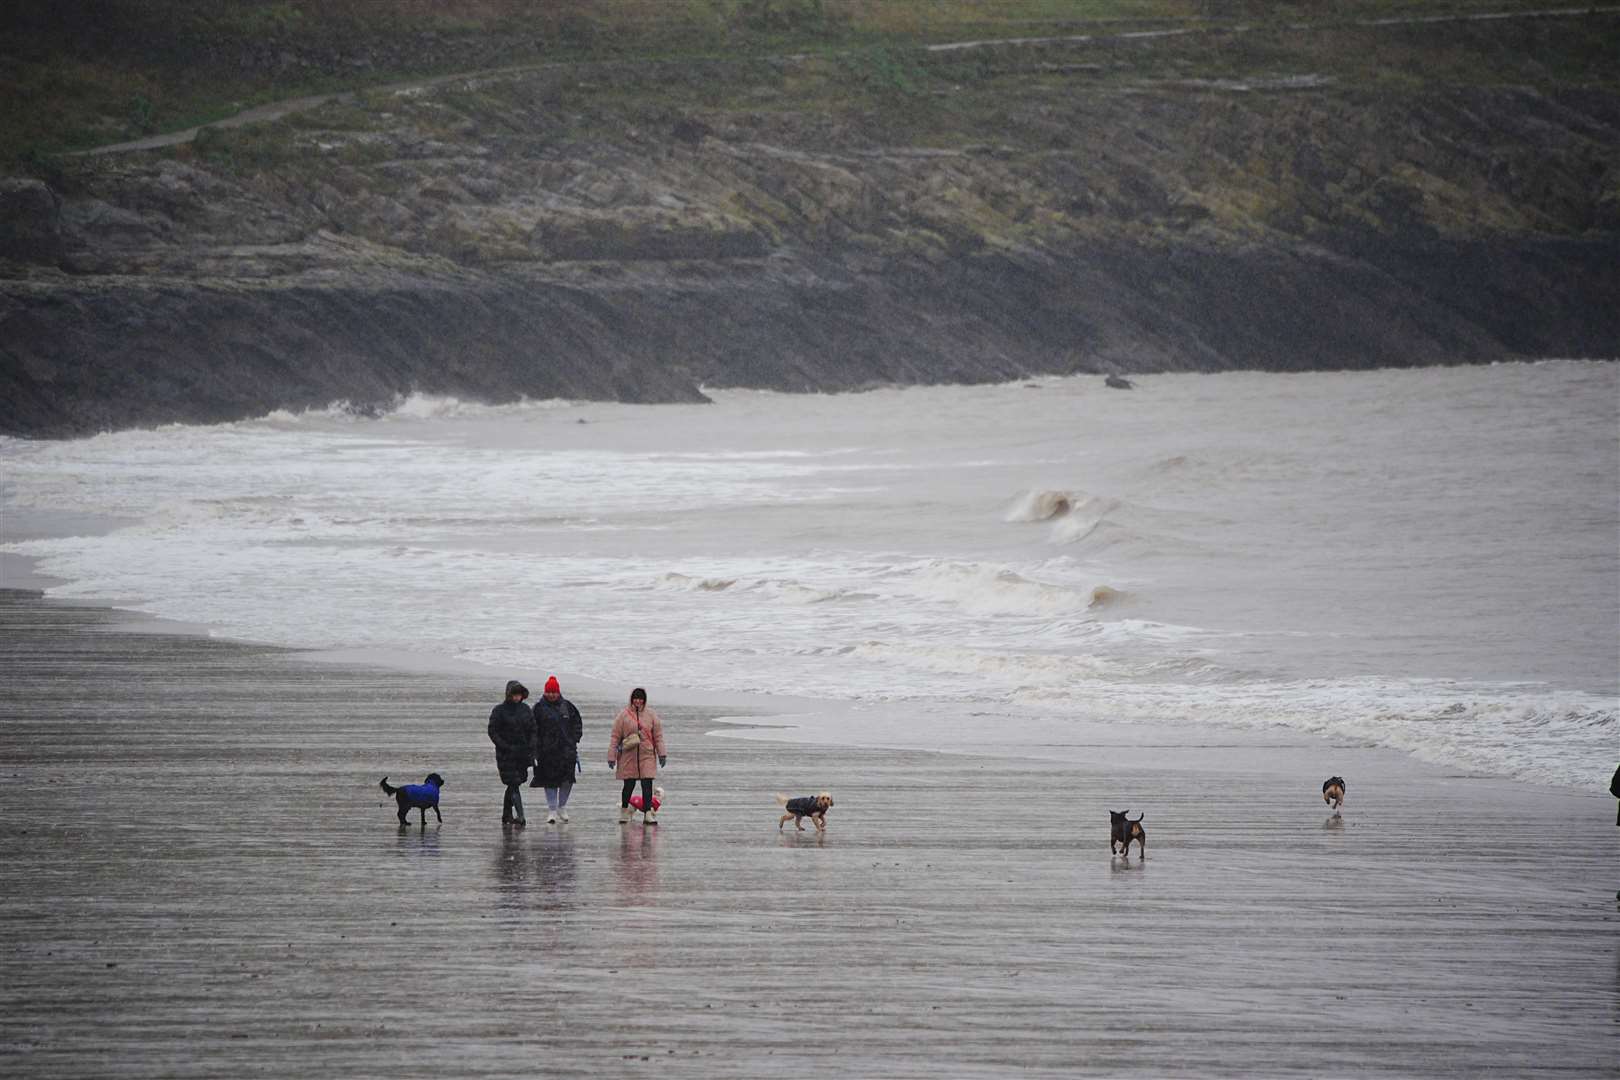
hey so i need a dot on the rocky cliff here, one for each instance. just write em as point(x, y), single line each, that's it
point(1286, 200)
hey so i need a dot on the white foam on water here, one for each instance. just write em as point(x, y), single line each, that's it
point(1424, 560)
point(414, 407)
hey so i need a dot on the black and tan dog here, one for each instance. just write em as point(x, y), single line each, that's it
point(423, 797)
point(1333, 791)
point(814, 807)
point(1122, 830)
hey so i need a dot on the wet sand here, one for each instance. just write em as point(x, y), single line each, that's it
point(202, 879)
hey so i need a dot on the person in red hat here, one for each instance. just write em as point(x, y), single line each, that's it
point(556, 753)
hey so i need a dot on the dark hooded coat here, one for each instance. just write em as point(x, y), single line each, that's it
point(558, 730)
point(1614, 789)
point(511, 729)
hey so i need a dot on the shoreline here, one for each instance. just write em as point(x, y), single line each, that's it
point(1197, 747)
point(253, 909)
point(1194, 748)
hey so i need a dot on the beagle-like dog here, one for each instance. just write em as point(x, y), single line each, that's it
point(814, 807)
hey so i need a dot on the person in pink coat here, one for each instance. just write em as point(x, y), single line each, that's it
point(639, 762)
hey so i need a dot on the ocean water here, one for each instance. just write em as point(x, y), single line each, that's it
point(1427, 560)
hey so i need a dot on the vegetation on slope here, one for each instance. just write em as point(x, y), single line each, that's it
point(99, 71)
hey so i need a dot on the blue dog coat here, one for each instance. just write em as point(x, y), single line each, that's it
point(421, 794)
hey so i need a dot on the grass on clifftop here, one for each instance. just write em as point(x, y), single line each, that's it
point(93, 72)
point(1229, 134)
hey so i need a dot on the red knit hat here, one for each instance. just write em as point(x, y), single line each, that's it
point(552, 687)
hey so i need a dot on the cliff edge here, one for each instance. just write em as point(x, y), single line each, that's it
point(1327, 197)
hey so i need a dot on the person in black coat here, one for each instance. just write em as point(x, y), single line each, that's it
point(556, 753)
point(511, 729)
point(1614, 789)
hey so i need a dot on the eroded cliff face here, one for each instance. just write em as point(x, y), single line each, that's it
point(637, 231)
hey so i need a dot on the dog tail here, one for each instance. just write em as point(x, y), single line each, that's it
point(781, 800)
point(1138, 817)
point(387, 790)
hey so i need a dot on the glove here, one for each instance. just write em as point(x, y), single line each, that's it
point(613, 764)
point(661, 760)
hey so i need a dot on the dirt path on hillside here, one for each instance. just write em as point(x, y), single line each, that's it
point(277, 110)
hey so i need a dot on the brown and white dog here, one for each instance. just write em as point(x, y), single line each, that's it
point(1333, 791)
point(814, 807)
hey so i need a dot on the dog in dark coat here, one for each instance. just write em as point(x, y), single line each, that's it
point(423, 797)
point(1122, 830)
point(1333, 791)
point(814, 807)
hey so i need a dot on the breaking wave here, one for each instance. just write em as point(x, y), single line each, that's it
point(688, 583)
point(1075, 515)
point(818, 547)
point(1041, 505)
point(414, 407)
point(1105, 596)
point(986, 589)
point(974, 588)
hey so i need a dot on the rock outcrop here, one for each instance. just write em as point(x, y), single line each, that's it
point(30, 222)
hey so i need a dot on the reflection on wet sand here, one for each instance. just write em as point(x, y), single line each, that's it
point(1120, 865)
point(558, 869)
point(417, 840)
point(542, 862)
point(209, 944)
point(636, 864)
point(1333, 823)
point(511, 864)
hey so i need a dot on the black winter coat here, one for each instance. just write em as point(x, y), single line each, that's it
point(558, 729)
point(1614, 789)
point(511, 729)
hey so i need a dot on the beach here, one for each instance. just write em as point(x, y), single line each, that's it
point(204, 880)
point(1008, 417)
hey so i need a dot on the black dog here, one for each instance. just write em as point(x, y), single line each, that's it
point(1123, 830)
point(423, 797)
point(1333, 791)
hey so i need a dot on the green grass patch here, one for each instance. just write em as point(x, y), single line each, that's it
point(93, 72)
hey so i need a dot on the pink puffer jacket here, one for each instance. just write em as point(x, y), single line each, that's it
point(642, 762)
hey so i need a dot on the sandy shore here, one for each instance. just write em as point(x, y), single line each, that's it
point(203, 880)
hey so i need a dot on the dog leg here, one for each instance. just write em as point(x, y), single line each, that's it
point(782, 822)
point(438, 815)
point(798, 822)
